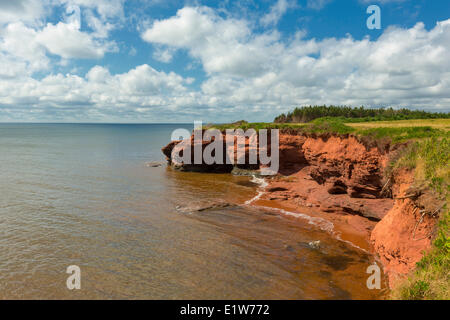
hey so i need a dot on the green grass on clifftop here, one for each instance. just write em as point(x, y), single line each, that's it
point(395, 133)
point(358, 114)
point(430, 160)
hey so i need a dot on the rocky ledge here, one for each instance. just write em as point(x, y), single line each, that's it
point(341, 177)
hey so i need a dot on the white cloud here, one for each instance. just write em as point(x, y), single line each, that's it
point(142, 87)
point(163, 54)
point(145, 81)
point(404, 67)
point(68, 42)
point(132, 51)
point(101, 16)
point(30, 11)
point(101, 28)
point(25, 39)
point(105, 8)
point(276, 12)
point(249, 74)
point(223, 45)
point(189, 27)
point(17, 59)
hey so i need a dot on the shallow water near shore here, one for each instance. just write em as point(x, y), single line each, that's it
point(79, 194)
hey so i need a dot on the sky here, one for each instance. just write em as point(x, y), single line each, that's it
point(160, 61)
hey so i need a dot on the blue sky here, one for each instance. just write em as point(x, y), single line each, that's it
point(217, 61)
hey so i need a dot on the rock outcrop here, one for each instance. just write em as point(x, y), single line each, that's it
point(202, 166)
point(346, 166)
point(338, 174)
point(405, 233)
point(342, 164)
point(342, 175)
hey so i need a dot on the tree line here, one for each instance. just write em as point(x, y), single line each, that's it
point(309, 113)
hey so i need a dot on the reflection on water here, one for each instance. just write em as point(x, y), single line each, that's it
point(81, 194)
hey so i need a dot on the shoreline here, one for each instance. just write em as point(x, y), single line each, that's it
point(340, 180)
point(353, 230)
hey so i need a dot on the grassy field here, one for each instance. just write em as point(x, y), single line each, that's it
point(396, 130)
point(442, 124)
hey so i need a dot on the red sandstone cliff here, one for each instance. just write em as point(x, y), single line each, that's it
point(405, 233)
point(340, 177)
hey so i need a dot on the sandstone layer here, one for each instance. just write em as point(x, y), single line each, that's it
point(341, 178)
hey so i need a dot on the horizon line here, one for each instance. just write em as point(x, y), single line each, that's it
point(140, 123)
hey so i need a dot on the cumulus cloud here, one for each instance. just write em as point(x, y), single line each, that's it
point(223, 45)
point(67, 41)
point(25, 40)
point(16, 58)
point(276, 12)
point(142, 88)
point(30, 11)
point(404, 67)
point(249, 74)
point(105, 8)
point(101, 16)
point(163, 54)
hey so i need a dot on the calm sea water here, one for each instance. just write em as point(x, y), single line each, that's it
point(81, 194)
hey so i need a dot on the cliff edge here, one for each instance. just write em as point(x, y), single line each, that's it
point(342, 178)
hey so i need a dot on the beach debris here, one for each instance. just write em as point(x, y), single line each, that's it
point(245, 172)
point(153, 164)
point(204, 207)
point(314, 244)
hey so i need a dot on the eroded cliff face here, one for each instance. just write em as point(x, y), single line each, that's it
point(337, 174)
point(195, 166)
point(344, 165)
point(341, 177)
point(405, 233)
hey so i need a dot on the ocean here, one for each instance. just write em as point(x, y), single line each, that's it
point(83, 194)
